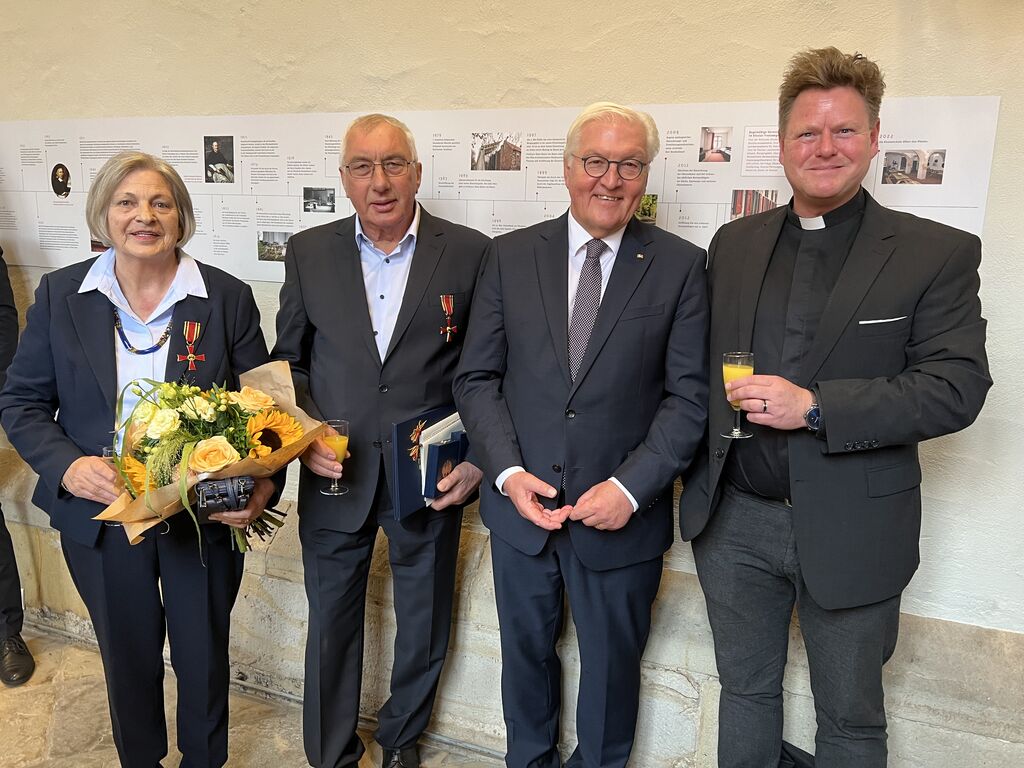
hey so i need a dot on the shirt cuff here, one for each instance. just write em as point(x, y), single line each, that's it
point(628, 494)
point(499, 482)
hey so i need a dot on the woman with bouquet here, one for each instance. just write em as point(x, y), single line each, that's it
point(142, 309)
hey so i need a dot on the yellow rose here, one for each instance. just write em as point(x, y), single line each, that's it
point(251, 400)
point(198, 408)
point(212, 454)
point(166, 420)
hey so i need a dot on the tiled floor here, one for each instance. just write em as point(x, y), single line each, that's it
point(59, 719)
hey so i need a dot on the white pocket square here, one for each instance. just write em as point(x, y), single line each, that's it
point(882, 320)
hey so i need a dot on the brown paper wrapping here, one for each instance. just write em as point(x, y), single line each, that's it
point(149, 510)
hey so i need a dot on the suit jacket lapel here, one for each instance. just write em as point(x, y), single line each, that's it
point(751, 269)
point(196, 309)
point(627, 271)
point(871, 249)
point(552, 259)
point(430, 244)
point(93, 317)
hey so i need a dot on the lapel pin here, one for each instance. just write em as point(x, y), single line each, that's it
point(639, 257)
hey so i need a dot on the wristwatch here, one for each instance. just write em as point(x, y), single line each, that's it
point(812, 418)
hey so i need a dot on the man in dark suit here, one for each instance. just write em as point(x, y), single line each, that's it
point(16, 662)
point(364, 311)
point(867, 337)
point(583, 386)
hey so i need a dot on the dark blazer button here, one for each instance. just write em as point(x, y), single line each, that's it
point(848, 446)
point(383, 388)
point(874, 443)
point(377, 443)
point(556, 468)
point(570, 414)
point(719, 453)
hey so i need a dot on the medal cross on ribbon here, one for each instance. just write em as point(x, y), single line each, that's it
point(448, 307)
point(191, 332)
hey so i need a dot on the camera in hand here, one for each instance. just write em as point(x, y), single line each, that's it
point(225, 495)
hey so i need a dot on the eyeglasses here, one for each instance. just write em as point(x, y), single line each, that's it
point(597, 166)
point(363, 169)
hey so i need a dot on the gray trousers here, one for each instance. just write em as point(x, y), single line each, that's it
point(749, 569)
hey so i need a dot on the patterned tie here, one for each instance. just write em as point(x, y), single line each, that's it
point(584, 309)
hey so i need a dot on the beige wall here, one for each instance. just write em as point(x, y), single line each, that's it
point(64, 59)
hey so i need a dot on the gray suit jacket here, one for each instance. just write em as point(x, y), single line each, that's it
point(636, 410)
point(884, 387)
point(323, 330)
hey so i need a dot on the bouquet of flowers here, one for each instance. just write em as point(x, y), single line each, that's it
point(178, 434)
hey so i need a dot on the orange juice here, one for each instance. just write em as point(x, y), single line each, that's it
point(338, 444)
point(731, 372)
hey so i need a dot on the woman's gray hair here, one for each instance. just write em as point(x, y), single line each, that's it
point(116, 170)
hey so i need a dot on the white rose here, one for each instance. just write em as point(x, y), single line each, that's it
point(144, 412)
point(166, 420)
point(199, 408)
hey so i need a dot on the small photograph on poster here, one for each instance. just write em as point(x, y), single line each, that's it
point(270, 246)
point(318, 199)
point(96, 246)
point(715, 145)
point(747, 202)
point(220, 159)
point(496, 152)
point(60, 180)
point(648, 209)
point(913, 166)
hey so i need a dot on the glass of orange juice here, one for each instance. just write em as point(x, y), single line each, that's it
point(337, 440)
point(737, 365)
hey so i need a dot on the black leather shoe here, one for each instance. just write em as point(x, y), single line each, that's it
point(16, 662)
point(401, 758)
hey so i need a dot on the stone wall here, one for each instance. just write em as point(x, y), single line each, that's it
point(955, 691)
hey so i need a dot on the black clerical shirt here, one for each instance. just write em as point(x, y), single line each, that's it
point(801, 274)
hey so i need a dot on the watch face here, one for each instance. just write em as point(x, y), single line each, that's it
point(813, 418)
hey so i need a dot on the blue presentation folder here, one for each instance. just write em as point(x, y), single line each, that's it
point(406, 479)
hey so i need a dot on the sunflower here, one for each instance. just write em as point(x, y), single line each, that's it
point(135, 471)
point(269, 431)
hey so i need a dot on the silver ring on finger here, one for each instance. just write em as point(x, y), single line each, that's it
point(764, 406)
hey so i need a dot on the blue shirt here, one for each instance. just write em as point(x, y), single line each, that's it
point(384, 278)
point(142, 334)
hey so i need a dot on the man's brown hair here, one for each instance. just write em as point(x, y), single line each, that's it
point(827, 68)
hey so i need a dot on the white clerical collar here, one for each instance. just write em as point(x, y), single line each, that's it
point(812, 222)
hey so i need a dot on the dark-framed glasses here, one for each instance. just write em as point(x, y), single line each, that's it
point(597, 166)
point(363, 169)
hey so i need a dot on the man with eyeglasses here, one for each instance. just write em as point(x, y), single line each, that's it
point(364, 310)
point(868, 338)
point(583, 384)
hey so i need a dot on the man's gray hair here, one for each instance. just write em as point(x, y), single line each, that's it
point(367, 123)
point(609, 112)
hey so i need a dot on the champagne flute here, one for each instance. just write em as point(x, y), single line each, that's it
point(337, 441)
point(736, 365)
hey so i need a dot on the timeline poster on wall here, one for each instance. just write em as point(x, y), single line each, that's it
point(256, 180)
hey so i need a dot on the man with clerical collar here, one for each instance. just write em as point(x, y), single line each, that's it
point(867, 338)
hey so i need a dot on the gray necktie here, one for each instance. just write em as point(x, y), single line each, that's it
point(584, 308)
